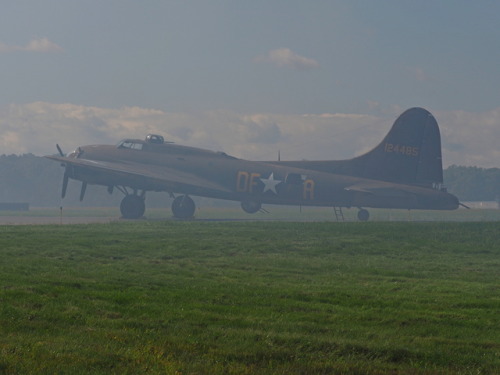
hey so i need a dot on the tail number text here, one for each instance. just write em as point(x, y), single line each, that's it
point(401, 149)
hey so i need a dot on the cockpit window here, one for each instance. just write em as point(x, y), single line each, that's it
point(130, 144)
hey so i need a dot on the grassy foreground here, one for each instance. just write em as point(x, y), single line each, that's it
point(250, 298)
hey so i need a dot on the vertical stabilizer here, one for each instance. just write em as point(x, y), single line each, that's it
point(410, 153)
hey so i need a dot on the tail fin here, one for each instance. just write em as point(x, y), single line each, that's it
point(410, 153)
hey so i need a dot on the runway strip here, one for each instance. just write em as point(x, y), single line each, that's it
point(50, 220)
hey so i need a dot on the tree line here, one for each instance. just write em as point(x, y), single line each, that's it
point(473, 183)
point(38, 181)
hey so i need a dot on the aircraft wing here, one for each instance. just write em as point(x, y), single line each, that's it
point(155, 175)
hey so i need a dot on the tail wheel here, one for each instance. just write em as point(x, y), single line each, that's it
point(363, 215)
point(132, 207)
point(183, 207)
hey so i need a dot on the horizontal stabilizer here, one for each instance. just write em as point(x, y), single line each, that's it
point(379, 190)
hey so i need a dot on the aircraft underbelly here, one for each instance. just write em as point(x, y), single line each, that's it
point(377, 201)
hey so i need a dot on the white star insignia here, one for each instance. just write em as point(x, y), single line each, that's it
point(270, 183)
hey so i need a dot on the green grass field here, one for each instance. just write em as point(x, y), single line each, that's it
point(169, 297)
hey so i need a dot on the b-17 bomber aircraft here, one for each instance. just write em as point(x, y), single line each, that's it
point(403, 172)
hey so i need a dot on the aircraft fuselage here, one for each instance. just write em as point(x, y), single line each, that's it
point(263, 182)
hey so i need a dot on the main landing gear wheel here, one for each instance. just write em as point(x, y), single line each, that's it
point(183, 207)
point(251, 207)
point(363, 215)
point(132, 207)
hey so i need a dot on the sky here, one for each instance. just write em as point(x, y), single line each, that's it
point(319, 79)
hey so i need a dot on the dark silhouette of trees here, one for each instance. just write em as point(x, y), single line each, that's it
point(473, 183)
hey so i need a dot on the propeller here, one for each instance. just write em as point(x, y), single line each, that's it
point(60, 151)
point(65, 183)
point(82, 192)
point(66, 176)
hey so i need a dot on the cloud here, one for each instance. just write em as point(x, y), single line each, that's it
point(417, 73)
point(468, 138)
point(37, 127)
point(284, 57)
point(40, 45)
point(260, 129)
